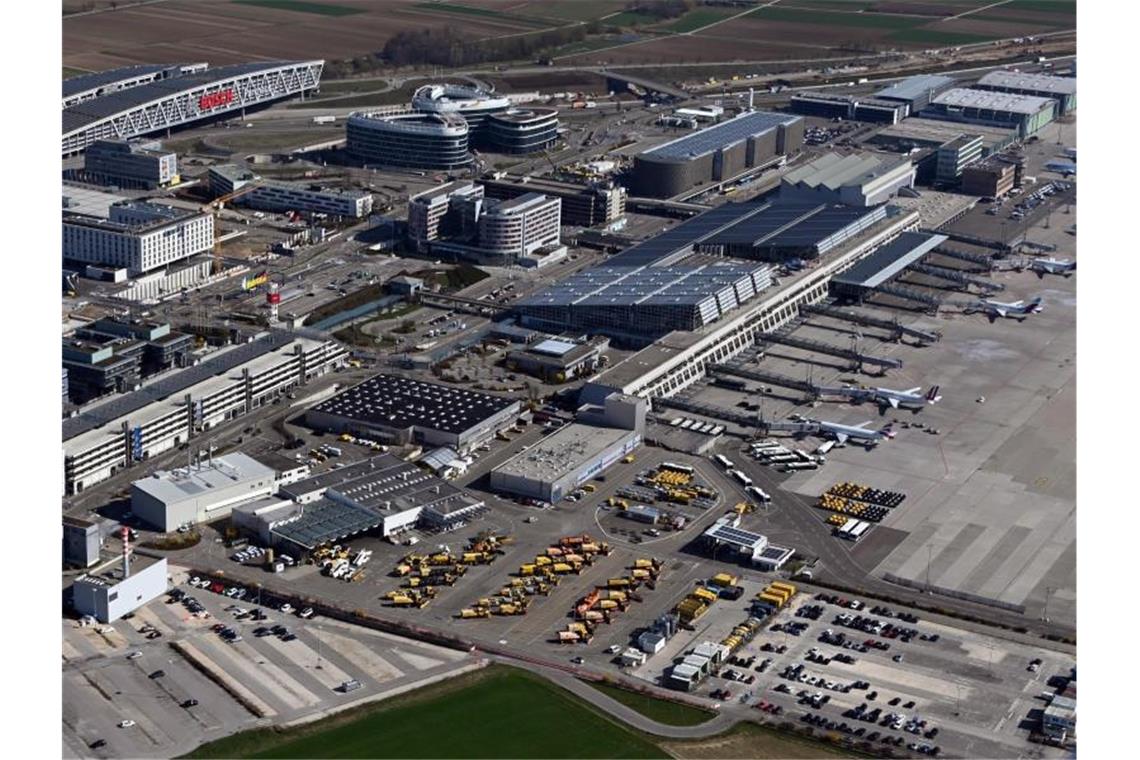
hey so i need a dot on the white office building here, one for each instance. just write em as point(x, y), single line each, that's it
point(520, 226)
point(440, 210)
point(137, 237)
point(119, 588)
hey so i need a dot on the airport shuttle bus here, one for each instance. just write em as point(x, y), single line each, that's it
point(673, 467)
point(740, 476)
point(725, 462)
point(758, 494)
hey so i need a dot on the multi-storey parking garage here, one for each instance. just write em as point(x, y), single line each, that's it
point(427, 141)
point(183, 99)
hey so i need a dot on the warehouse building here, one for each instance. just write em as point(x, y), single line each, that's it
point(201, 492)
point(116, 434)
point(420, 140)
point(130, 164)
point(716, 153)
point(916, 92)
point(561, 462)
point(1025, 113)
point(1061, 89)
point(782, 230)
point(590, 205)
point(401, 410)
point(862, 180)
point(384, 495)
point(637, 305)
point(120, 587)
point(991, 177)
point(557, 360)
point(138, 237)
point(888, 261)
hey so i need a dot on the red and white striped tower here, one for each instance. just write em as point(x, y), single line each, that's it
point(126, 551)
point(273, 298)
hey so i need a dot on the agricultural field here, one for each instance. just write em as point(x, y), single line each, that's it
point(497, 712)
point(571, 10)
point(749, 740)
point(233, 31)
point(660, 710)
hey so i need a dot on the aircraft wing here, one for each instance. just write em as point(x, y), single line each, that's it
point(913, 391)
point(894, 402)
point(1000, 311)
point(841, 437)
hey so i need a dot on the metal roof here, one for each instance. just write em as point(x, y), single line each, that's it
point(553, 347)
point(833, 171)
point(563, 452)
point(890, 259)
point(173, 486)
point(324, 521)
point(987, 100)
point(1015, 80)
point(795, 224)
point(677, 241)
point(719, 135)
point(621, 286)
point(913, 88)
point(88, 112)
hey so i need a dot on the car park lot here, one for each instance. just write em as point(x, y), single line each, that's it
point(975, 689)
point(171, 690)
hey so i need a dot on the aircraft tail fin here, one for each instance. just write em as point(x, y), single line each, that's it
point(932, 396)
point(1035, 304)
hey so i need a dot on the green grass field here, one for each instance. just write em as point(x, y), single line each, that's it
point(629, 18)
point(825, 18)
point(498, 712)
point(1046, 6)
point(751, 740)
point(695, 19)
point(575, 10)
point(660, 710)
point(301, 6)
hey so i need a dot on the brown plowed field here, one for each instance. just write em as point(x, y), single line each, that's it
point(220, 31)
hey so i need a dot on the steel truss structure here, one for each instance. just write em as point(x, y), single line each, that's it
point(184, 100)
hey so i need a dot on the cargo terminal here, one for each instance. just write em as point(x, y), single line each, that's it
point(200, 492)
point(399, 409)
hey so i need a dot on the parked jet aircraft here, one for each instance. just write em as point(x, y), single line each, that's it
point(886, 396)
point(1017, 309)
point(1050, 265)
point(859, 432)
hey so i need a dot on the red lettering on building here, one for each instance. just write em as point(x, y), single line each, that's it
point(215, 99)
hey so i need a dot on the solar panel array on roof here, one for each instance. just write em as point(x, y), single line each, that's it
point(720, 135)
point(736, 536)
point(80, 115)
point(888, 260)
point(795, 226)
point(85, 82)
point(675, 242)
point(921, 87)
point(399, 403)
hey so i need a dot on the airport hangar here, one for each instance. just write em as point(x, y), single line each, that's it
point(127, 104)
point(715, 153)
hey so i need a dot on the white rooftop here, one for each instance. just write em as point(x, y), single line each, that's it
point(1036, 82)
point(172, 486)
point(994, 101)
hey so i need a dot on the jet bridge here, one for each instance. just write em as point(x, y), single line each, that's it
point(858, 358)
point(897, 330)
point(760, 376)
point(961, 278)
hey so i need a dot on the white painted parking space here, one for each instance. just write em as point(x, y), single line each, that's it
point(358, 653)
point(307, 659)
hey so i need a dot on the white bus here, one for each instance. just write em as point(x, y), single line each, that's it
point(688, 424)
point(684, 468)
point(725, 462)
point(825, 447)
point(676, 421)
point(794, 466)
point(758, 494)
point(854, 530)
point(744, 479)
point(717, 430)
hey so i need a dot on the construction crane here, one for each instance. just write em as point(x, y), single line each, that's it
point(213, 207)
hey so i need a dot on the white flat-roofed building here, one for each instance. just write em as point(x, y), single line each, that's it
point(559, 463)
point(432, 212)
point(282, 196)
point(201, 492)
point(112, 436)
point(520, 226)
point(138, 236)
point(227, 178)
point(112, 591)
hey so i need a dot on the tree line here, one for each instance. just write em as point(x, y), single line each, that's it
point(447, 47)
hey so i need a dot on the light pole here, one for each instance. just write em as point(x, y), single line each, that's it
point(318, 648)
point(929, 552)
point(1045, 614)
